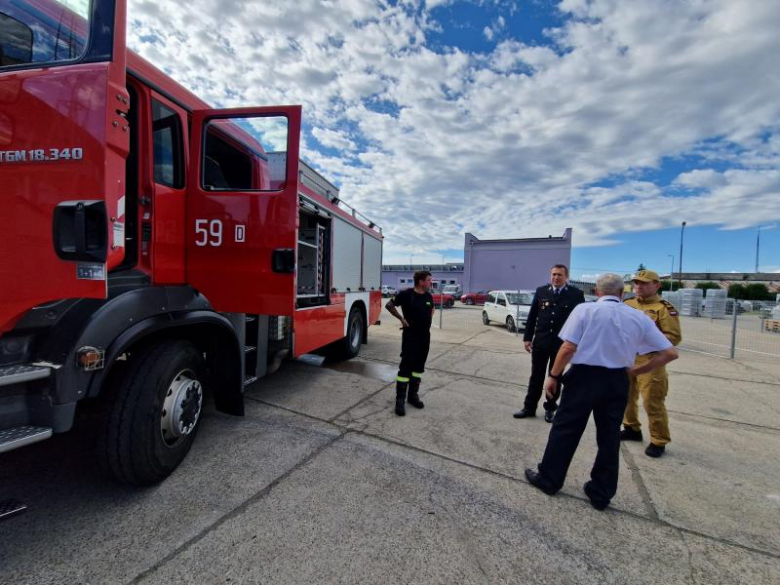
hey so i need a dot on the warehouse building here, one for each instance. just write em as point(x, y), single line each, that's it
point(519, 263)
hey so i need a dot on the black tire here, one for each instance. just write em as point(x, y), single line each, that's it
point(485, 320)
point(469, 301)
point(152, 412)
point(349, 346)
point(510, 324)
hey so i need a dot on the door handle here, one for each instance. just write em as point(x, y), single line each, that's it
point(80, 231)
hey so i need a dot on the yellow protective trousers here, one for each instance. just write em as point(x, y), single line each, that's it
point(653, 387)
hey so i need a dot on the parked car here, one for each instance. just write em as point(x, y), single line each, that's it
point(452, 289)
point(474, 298)
point(508, 307)
point(388, 291)
point(443, 299)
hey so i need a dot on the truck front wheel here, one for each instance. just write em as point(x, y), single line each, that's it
point(152, 411)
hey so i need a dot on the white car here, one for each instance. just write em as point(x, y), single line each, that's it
point(388, 291)
point(452, 289)
point(508, 307)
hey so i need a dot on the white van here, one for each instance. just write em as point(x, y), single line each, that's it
point(452, 289)
point(508, 307)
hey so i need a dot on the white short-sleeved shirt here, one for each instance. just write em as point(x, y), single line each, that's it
point(610, 334)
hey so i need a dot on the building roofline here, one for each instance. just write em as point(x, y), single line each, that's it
point(564, 238)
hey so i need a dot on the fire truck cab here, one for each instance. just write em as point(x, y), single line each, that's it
point(154, 251)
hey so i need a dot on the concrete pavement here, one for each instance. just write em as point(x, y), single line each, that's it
point(321, 483)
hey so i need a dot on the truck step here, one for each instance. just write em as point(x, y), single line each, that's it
point(249, 380)
point(16, 437)
point(22, 373)
point(10, 507)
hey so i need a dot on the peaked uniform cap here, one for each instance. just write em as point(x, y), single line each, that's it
point(646, 276)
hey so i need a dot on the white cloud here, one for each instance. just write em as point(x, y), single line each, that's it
point(333, 139)
point(506, 143)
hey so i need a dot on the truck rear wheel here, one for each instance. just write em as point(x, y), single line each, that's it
point(349, 346)
point(152, 413)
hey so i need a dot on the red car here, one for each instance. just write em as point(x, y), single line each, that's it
point(474, 298)
point(441, 298)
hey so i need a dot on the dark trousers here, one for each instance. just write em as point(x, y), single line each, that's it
point(604, 392)
point(542, 360)
point(415, 344)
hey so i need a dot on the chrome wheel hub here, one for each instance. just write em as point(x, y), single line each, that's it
point(354, 334)
point(181, 408)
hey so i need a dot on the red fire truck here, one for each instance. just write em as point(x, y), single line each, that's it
point(154, 251)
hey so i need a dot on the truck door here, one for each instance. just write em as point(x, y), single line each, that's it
point(63, 144)
point(242, 208)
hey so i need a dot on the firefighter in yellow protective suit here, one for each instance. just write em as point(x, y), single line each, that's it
point(652, 386)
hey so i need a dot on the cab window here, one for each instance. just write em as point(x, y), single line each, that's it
point(167, 146)
point(502, 300)
point(244, 153)
point(491, 298)
point(31, 35)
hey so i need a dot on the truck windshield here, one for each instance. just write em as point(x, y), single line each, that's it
point(519, 298)
point(42, 31)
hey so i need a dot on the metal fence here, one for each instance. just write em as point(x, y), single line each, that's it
point(748, 333)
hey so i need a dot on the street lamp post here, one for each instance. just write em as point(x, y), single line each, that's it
point(671, 273)
point(679, 266)
point(758, 238)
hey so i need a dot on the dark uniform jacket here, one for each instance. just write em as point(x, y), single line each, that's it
point(548, 314)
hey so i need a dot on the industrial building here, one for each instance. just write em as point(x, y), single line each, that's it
point(518, 263)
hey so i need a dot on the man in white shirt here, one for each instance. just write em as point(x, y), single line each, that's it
point(601, 341)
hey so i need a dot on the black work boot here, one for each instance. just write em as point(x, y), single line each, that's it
point(629, 434)
point(414, 398)
point(400, 398)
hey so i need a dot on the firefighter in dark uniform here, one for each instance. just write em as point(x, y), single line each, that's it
point(550, 308)
point(417, 306)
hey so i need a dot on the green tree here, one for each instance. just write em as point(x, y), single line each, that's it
point(756, 291)
point(737, 291)
point(707, 285)
point(641, 267)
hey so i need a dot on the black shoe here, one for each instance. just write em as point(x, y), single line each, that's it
point(524, 413)
point(630, 435)
point(400, 410)
point(654, 450)
point(595, 502)
point(549, 415)
point(414, 400)
point(534, 479)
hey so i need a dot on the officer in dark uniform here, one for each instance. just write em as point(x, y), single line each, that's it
point(551, 307)
point(417, 306)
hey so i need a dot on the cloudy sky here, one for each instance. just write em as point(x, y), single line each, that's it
point(618, 118)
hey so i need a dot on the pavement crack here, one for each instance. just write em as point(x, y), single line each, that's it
point(725, 420)
point(237, 510)
point(651, 516)
point(636, 477)
point(691, 572)
point(461, 374)
point(463, 534)
point(361, 401)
